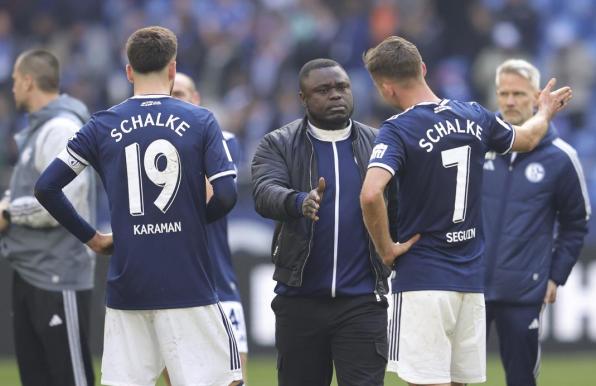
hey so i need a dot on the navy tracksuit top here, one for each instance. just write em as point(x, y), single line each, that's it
point(339, 262)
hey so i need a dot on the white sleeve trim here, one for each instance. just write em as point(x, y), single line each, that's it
point(510, 128)
point(225, 146)
point(227, 135)
point(572, 154)
point(222, 174)
point(382, 166)
point(77, 156)
point(73, 163)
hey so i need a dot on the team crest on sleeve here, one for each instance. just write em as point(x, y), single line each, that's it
point(378, 151)
point(74, 164)
point(535, 172)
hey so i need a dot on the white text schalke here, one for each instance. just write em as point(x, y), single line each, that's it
point(441, 130)
point(149, 120)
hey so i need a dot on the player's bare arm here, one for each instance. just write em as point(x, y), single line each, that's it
point(374, 211)
point(529, 134)
point(312, 202)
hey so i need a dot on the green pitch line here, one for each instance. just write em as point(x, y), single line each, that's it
point(556, 370)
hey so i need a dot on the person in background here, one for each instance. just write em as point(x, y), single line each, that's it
point(53, 271)
point(224, 276)
point(528, 256)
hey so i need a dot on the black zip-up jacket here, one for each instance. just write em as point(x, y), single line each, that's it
point(284, 165)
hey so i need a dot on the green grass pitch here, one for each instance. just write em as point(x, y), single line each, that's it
point(556, 370)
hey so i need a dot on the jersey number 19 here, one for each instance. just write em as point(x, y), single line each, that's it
point(168, 178)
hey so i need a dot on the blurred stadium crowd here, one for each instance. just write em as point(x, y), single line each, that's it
point(245, 54)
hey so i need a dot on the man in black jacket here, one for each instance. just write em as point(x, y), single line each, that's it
point(330, 309)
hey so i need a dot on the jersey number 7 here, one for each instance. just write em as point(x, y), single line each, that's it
point(459, 157)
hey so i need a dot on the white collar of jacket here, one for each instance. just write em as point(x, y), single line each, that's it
point(330, 135)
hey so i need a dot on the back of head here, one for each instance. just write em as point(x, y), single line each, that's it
point(43, 67)
point(150, 49)
point(522, 68)
point(395, 59)
point(315, 64)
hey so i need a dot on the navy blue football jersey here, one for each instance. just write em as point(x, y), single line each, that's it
point(224, 276)
point(153, 153)
point(437, 152)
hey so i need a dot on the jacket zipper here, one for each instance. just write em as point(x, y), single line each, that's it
point(312, 224)
point(336, 219)
point(501, 212)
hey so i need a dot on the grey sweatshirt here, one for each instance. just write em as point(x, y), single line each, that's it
point(36, 246)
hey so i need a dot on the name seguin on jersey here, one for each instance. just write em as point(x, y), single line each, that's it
point(154, 120)
point(152, 229)
point(441, 130)
point(459, 236)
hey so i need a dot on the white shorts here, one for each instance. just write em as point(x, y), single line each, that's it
point(195, 344)
point(438, 337)
point(235, 314)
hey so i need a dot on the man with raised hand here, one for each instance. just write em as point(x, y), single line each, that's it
point(330, 308)
point(436, 149)
point(153, 153)
point(526, 260)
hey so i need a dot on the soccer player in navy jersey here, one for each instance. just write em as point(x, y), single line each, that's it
point(436, 148)
point(224, 277)
point(153, 153)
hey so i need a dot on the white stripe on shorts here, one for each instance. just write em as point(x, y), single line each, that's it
point(74, 337)
point(234, 355)
point(394, 328)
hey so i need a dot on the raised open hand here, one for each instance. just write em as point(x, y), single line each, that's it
point(312, 202)
point(551, 102)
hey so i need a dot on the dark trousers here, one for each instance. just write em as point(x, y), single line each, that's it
point(518, 330)
point(51, 329)
point(313, 334)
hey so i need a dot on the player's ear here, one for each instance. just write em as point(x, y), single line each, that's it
point(423, 68)
point(130, 74)
point(386, 89)
point(172, 70)
point(28, 81)
point(302, 98)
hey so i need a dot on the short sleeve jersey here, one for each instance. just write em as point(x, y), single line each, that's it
point(437, 151)
point(153, 153)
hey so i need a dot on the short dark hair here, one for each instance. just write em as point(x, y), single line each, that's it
point(394, 58)
point(43, 67)
point(315, 64)
point(150, 49)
